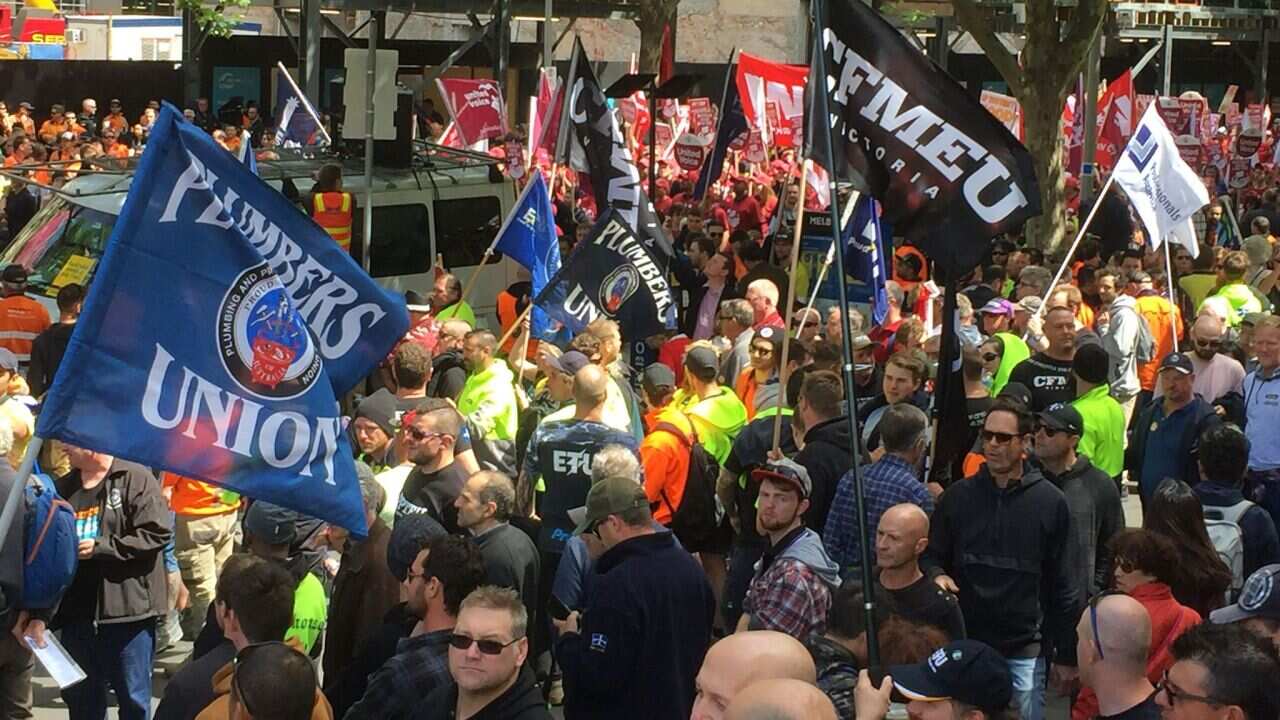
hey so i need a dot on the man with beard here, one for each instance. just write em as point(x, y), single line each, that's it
point(792, 587)
point(1216, 373)
point(1048, 373)
point(488, 399)
point(430, 435)
point(999, 542)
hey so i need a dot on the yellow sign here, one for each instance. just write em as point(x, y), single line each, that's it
point(75, 270)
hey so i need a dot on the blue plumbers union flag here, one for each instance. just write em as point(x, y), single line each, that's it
point(218, 333)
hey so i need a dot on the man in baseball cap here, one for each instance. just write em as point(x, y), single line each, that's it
point(792, 588)
point(957, 680)
point(1258, 608)
point(997, 315)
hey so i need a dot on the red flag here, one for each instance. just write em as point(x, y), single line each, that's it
point(761, 82)
point(477, 108)
point(1118, 123)
point(550, 100)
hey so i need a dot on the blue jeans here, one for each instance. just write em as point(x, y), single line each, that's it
point(117, 655)
point(1029, 677)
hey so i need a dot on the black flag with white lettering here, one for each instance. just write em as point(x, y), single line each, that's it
point(611, 274)
point(917, 140)
point(615, 181)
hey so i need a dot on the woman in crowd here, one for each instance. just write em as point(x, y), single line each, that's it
point(1199, 579)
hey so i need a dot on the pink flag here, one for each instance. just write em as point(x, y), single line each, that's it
point(477, 108)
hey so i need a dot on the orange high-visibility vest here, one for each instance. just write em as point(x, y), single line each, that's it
point(332, 211)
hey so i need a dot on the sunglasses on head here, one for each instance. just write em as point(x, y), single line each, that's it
point(487, 647)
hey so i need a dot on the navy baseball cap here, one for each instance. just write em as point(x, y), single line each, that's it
point(1179, 362)
point(966, 670)
point(1062, 417)
point(1260, 598)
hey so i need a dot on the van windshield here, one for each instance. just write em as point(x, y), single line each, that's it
point(62, 239)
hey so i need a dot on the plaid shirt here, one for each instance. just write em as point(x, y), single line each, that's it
point(420, 665)
point(886, 483)
point(788, 597)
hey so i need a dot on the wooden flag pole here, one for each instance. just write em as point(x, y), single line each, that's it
point(791, 299)
point(515, 325)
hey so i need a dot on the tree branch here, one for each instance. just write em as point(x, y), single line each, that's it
point(973, 19)
point(1083, 27)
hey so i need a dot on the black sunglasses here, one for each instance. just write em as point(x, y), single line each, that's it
point(998, 438)
point(487, 647)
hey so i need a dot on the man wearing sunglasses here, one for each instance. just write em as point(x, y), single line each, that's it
point(444, 573)
point(1112, 641)
point(1216, 373)
point(1220, 672)
point(486, 660)
point(999, 541)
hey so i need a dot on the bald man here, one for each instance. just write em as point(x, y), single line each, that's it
point(1113, 638)
point(901, 538)
point(781, 699)
point(1216, 374)
point(763, 296)
point(745, 658)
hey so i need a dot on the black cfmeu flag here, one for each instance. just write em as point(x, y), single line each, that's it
point(612, 274)
point(615, 181)
point(916, 139)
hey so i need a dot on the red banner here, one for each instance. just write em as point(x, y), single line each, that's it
point(1117, 124)
point(1255, 117)
point(1239, 176)
point(761, 82)
point(476, 106)
point(690, 152)
point(754, 152)
point(550, 101)
point(1189, 150)
point(1170, 111)
point(1248, 142)
point(702, 116)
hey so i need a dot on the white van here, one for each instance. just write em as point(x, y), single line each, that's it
point(452, 207)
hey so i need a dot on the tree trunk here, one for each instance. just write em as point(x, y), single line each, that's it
point(1042, 116)
point(654, 16)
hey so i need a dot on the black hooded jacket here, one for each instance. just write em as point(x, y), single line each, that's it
point(1007, 550)
point(827, 455)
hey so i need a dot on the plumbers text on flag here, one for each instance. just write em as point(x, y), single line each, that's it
point(529, 237)
point(917, 140)
point(219, 331)
point(612, 273)
point(1164, 190)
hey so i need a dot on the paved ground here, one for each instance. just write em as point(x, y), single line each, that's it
point(49, 705)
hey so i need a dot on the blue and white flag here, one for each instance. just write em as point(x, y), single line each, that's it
point(1163, 188)
point(295, 118)
point(529, 237)
point(864, 254)
point(219, 331)
point(247, 157)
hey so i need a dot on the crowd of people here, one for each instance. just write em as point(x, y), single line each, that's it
point(547, 527)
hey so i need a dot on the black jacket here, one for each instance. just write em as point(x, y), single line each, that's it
point(827, 455)
point(128, 555)
point(1007, 552)
point(448, 375)
point(643, 634)
point(511, 561)
point(1189, 449)
point(521, 701)
point(1096, 516)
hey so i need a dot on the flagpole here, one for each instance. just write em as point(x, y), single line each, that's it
point(488, 252)
point(304, 102)
point(515, 325)
point(1168, 281)
point(851, 387)
point(791, 299)
point(1066, 261)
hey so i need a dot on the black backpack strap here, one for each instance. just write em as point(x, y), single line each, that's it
point(685, 440)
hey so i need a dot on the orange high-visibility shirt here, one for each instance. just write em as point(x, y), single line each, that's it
point(21, 320)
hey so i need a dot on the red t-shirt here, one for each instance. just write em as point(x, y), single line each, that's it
point(744, 214)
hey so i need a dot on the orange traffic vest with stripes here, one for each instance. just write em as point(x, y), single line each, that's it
point(332, 211)
point(21, 320)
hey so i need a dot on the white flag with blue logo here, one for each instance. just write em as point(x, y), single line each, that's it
point(1162, 187)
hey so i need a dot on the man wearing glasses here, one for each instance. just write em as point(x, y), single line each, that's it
point(445, 571)
point(430, 436)
point(486, 660)
point(1216, 374)
point(1113, 638)
point(999, 542)
point(1220, 671)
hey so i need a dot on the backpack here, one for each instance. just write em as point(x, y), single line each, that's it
point(1145, 346)
point(1223, 524)
point(50, 545)
point(697, 519)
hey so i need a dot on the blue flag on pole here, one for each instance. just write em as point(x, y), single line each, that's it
point(529, 237)
point(733, 122)
point(864, 253)
point(219, 331)
point(295, 126)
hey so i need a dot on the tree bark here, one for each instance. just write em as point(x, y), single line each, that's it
point(1040, 79)
point(653, 17)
